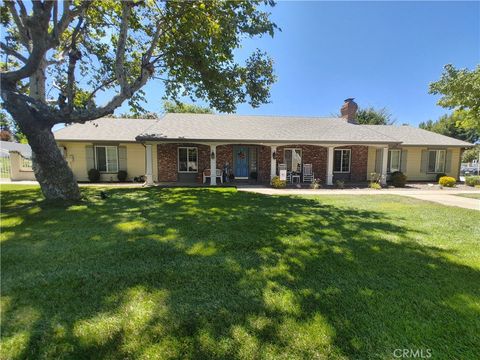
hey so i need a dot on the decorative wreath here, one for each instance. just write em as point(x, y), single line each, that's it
point(241, 155)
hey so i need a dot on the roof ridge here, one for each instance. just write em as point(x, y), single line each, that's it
point(259, 115)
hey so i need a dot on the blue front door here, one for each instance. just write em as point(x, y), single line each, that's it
point(241, 161)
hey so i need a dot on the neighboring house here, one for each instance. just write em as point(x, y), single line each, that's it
point(16, 161)
point(179, 147)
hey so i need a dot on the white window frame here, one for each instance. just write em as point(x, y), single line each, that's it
point(341, 161)
point(437, 162)
point(106, 161)
point(390, 153)
point(178, 159)
point(293, 149)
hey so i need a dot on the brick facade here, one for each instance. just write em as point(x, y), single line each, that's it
point(167, 155)
point(311, 154)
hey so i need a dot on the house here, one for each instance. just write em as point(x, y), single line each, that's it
point(178, 147)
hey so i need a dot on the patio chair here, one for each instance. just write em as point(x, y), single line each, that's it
point(207, 175)
point(308, 173)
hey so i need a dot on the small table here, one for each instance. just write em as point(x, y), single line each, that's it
point(295, 176)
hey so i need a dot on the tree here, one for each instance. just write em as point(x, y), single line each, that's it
point(9, 129)
point(372, 116)
point(135, 115)
point(72, 50)
point(179, 107)
point(460, 90)
point(471, 154)
point(448, 125)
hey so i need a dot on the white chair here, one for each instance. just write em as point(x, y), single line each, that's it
point(308, 173)
point(207, 175)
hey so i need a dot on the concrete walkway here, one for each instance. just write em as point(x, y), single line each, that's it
point(445, 196)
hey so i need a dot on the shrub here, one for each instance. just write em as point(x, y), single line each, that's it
point(316, 184)
point(93, 175)
point(437, 178)
point(122, 175)
point(447, 181)
point(340, 184)
point(277, 183)
point(375, 185)
point(472, 180)
point(254, 175)
point(398, 179)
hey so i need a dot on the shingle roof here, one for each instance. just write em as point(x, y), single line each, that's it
point(24, 149)
point(415, 136)
point(209, 127)
point(241, 128)
point(105, 129)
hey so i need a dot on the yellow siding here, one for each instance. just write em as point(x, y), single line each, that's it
point(414, 160)
point(76, 158)
point(372, 153)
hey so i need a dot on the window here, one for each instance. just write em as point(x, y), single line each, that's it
point(293, 159)
point(394, 157)
point(341, 160)
point(187, 159)
point(106, 159)
point(436, 161)
point(26, 163)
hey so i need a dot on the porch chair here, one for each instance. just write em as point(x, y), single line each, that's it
point(207, 175)
point(308, 173)
point(289, 173)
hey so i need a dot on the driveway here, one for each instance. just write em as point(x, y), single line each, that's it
point(445, 196)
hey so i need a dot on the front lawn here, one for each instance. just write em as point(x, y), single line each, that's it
point(205, 274)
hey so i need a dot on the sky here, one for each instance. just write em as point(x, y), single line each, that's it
point(384, 54)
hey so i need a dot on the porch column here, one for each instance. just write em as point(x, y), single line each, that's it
point(149, 164)
point(213, 165)
point(273, 162)
point(330, 165)
point(383, 179)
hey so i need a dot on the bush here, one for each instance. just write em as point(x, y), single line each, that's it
point(277, 183)
point(93, 175)
point(437, 178)
point(472, 180)
point(398, 179)
point(316, 184)
point(340, 184)
point(375, 185)
point(122, 175)
point(254, 175)
point(447, 181)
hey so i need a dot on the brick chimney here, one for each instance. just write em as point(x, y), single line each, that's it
point(349, 111)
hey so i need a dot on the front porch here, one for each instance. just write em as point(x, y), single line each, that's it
point(240, 163)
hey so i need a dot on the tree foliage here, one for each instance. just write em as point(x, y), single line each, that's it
point(449, 125)
point(471, 154)
point(372, 116)
point(460, 91)
point(179, 107)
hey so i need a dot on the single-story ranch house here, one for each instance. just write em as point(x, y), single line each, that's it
point(183, 148)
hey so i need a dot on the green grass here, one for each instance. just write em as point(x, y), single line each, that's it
point(470, 195)
point(206, 274)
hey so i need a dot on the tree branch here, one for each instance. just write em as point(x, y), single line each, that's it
point(122, 39)
point(20, 25)
point(12, 52)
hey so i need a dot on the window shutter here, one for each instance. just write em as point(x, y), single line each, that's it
point(448, 164)
point(403, 161)
point(89, 157)
point(424, 162)
point(378, 161)
point(122, 158)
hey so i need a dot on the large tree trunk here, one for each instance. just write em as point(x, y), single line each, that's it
point(51, 169)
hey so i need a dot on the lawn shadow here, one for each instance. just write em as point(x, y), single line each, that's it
point(196, 273)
